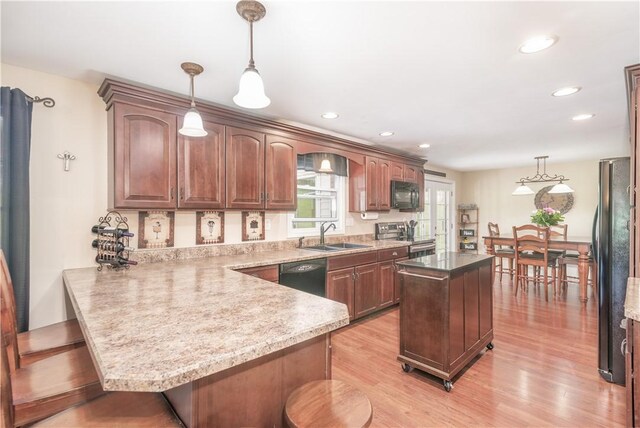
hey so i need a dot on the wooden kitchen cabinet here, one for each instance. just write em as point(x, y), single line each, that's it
point(268, 273)
point(245, 169)
point(396, 280)
point(340, 288)
point(397, 171)
point(386, 292)
point(411, 173)
point(281, 174)
point(201, 170)
point(446, 313)
point(632, 381)
point(366, 285)
point(377, 184)
point(143, 144)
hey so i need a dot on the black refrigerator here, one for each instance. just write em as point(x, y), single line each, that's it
point(611, 250)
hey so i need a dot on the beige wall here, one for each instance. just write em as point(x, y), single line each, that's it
point(492, 189)
point(64, 205)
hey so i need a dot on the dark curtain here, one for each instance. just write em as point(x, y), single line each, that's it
point(15, 121)
point(312, 161)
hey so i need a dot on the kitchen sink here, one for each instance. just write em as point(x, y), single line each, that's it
point(335, 247)
point(346, 245)
point(321, 248)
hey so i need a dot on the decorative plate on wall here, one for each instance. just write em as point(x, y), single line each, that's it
point(562, 202)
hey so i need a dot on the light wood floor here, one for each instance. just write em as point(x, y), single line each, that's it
point(542, 371)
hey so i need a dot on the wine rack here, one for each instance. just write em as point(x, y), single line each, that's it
point(112, 242)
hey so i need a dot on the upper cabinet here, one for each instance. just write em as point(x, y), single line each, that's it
point(201, 172)
point(144, 163)
point(245, 169)
point(281, 173)
point(245, 162)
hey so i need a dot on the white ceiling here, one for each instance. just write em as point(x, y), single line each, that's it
point(443, 73)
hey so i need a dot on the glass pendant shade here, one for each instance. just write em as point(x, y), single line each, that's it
point(325, 166)
point(192, 125)
point(522, 190)
point(251, 90)
point(561, 188)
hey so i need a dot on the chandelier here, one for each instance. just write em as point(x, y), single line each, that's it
point(523, 189)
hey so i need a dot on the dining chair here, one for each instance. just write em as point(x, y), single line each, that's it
point(43, 342)
point(502, 253)
point(571, 259)
point(532, 249)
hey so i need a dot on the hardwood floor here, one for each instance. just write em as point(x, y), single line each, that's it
point(542, 371)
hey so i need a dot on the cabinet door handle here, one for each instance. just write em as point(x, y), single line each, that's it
point(353, 276)
point(267, 198)
point(182, 193)
point(395, 253)
point(171, 193)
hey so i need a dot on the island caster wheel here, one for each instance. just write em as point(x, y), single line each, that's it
point(406, 368)
point(490, 346)
point(447, 385)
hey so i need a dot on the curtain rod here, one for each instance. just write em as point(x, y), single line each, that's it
point(47, 101)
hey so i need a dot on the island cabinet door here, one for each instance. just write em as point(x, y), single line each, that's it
point(144, 148)
point(396, 280)
point(245, 169)
point(366, 295)
point(471, 309)
point(456, 319)
point(386, 283)
point(423, 317)
point(485, 301)
point(340, 288)
point(201, 169)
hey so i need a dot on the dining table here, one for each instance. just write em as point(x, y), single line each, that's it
point(582, 245)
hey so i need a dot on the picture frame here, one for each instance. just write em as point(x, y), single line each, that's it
point(209, 227)
point(155, 229)
point(464, 218)
point(252, 225)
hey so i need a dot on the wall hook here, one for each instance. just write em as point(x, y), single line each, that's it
point(66, 157)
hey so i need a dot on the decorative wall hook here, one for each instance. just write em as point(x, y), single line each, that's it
point(66, 157)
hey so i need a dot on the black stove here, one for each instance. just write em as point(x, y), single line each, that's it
point(401, 231)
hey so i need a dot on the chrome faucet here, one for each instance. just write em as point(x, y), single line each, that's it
point(323, 230)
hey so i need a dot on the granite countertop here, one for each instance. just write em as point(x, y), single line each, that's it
point(446, 262)
point(632, 300)
point(160, 325)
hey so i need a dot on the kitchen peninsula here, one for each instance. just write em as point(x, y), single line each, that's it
point(211, 338)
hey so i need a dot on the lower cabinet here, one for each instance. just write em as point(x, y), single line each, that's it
point(366, 296)
point(268, 273)
point(340, 288)
point(365, 282)
point(396, 280)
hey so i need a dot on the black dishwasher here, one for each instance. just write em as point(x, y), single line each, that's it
point(308, 276)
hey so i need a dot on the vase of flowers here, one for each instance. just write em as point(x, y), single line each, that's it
point(546, 216)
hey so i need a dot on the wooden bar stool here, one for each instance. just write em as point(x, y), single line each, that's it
point(120, 409)
point(328, 403)
point(502, 253)
point(39, 343)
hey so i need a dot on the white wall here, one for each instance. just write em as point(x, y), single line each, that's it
point(64, 205)
point(492, 189)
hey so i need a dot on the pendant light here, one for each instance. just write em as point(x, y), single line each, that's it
point(543, 177)
point(192, 124)
point(325, 166)
point(251, 89)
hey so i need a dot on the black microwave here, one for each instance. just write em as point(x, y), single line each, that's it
point(404, 195)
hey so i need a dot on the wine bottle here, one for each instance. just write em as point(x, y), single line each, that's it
point(110, 246)
point(116, 261)
point(117, 232)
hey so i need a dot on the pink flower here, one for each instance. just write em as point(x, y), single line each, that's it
point(549, 210)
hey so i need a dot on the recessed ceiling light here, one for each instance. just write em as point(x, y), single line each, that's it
point(386, 134)
point(583, 116)
point(569, 90)
point(537, 44)
point(329, 115)
point(424, 146)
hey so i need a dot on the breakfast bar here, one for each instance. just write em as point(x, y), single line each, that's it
point(212, 339)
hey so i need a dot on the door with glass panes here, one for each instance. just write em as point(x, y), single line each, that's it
point(435, 220)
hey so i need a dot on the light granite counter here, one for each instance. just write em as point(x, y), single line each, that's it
point(632, 299)
point(160, 325)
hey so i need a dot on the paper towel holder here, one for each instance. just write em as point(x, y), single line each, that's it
point(369, 215)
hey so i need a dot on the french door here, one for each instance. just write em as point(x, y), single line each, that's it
point(436, 219)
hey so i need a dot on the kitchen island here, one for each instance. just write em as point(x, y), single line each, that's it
point(226, 348)
point(446, 312)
